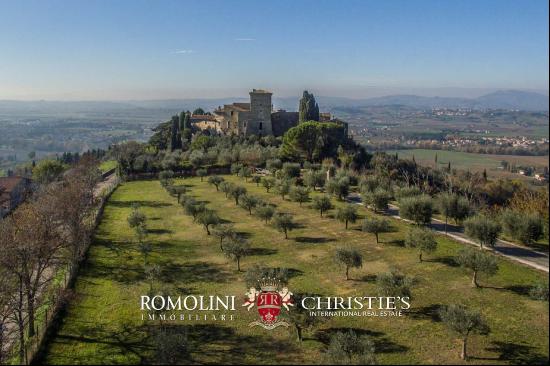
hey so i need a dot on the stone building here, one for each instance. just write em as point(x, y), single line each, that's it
point(254, 118)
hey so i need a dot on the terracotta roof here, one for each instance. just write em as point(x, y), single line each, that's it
point(7, 184)
point(242, 107)
point(202, 117)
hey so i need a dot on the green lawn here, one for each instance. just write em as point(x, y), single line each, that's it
point(107, 165)
point(103, 324)
point(470, 161)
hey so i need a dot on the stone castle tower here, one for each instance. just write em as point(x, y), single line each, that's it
point(259, 122)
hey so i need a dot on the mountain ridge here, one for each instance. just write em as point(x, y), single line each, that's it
point(500, 99)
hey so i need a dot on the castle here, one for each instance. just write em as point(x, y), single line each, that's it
point(254, 118)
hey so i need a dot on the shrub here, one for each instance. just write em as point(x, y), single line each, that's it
point(291, 170)
point(417, 209)
point(483, 229)
point(299, 194)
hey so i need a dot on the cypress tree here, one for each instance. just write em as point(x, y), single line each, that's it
point(309, 109)
point(174, 134)
point(182, 121)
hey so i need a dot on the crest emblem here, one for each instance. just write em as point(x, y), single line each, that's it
point(269, 301)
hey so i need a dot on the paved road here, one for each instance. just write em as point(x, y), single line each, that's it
point(515, 252)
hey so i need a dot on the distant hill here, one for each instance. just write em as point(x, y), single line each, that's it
point(504, 99)
point(513, 99)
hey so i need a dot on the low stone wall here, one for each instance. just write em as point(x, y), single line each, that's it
point(58, 299)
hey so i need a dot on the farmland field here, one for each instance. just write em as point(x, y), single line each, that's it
point(103, 321)
point(471, 161)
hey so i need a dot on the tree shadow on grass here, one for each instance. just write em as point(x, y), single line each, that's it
point(425, 312)
point(159, 231)
point(395, 242)
point(312, 240)
point(382, 343)
point(139, 203)
point(446, 260)
point(367, 278)
point(193, 272)
point(262, 251)
point(519, 289)
point(244, 234)
point(204, 342)
point(516, 354)
point(110, 344)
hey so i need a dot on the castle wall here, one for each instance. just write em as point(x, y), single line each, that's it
point(282, 121)
point(259, 119)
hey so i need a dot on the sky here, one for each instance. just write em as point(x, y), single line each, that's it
point(134, 49)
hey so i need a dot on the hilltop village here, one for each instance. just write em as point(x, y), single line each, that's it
point(254, 118)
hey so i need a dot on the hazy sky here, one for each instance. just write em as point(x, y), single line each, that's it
point(178, 49)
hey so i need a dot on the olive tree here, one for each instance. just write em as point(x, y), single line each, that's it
point(249, 202)
point(463, 322)
point(265, 212)
point(483, 229)
point(338, 188)
point(394, 284)
point(237, 192)
point(524, 227)
point(422, 239)
point(193, 208)
point(201, 173)
point(268, 183)
point(236, 248)
point(348, 348)
point(347, 214)
point(284, 223)
point(223, 231)
point(349, 258)
point(376, 226)
point(283, 187)
point(322, 204)
point(301, 317)
point(478, 262)
point(208, 218)
point(377, 199)
point(226, 188)
point(314, 179)
point(215, 180)
point(299, 194)
point(453, 206)
point(417, 209)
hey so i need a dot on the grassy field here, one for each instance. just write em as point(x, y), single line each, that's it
point(103, 321)
point(471, 161)
point(107, 165)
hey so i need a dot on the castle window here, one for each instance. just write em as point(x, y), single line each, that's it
point(261, 123)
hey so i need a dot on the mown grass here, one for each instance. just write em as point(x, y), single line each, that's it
point(107, 165)
point(472, 161)
point(103, 322)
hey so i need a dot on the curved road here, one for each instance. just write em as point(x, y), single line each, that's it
point(515, 252)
